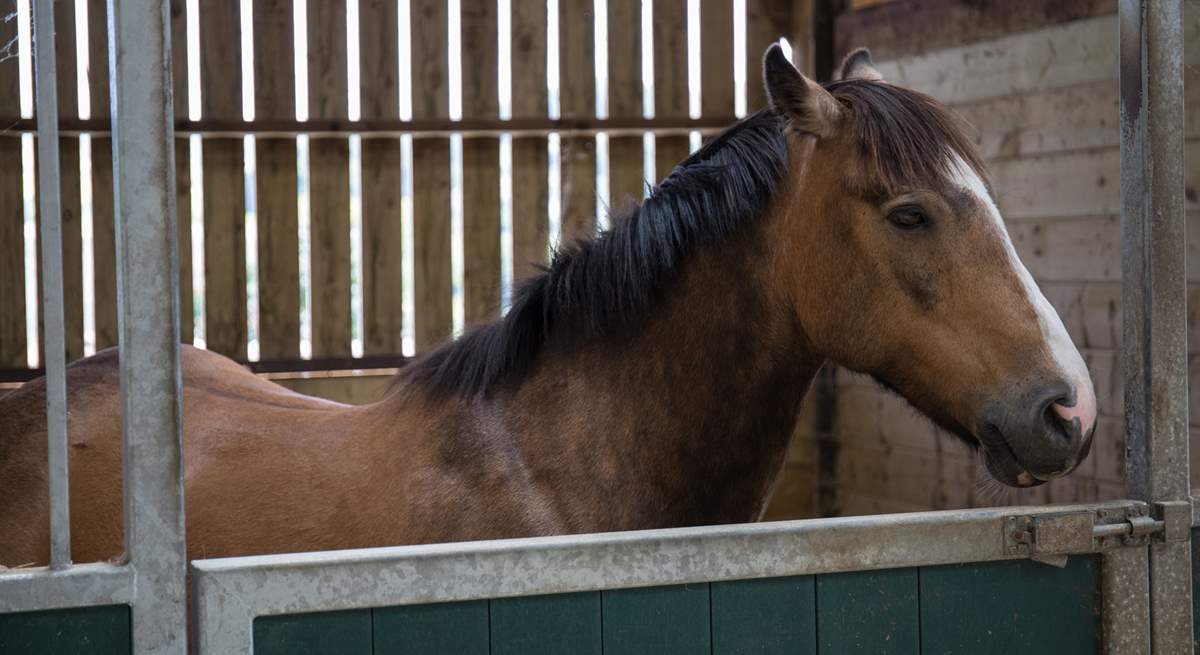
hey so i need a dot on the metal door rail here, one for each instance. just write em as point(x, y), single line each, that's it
point(229, 593)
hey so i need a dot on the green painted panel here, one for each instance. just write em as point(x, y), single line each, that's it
point(79, 631)
point(562, 624)
point(775, 615)
point(440, 629)
point(657, 620)
point(871, 612)
point(1011, 607)
point(1196, 591)
point(322, 633)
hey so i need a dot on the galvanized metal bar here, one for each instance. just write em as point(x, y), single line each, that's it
point(82, 585)
point(1155, 293)
point(139, 35)
point(229, 593)
point(1125, 583)
point(54, 350)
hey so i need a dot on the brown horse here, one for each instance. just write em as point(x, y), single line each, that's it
point(649, 378)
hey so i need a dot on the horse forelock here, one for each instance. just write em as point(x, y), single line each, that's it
point(905, 139)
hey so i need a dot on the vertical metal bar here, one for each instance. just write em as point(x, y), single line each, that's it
point(54, 351)
point(1154, 293)
point(1125, 584)
point(139, 35)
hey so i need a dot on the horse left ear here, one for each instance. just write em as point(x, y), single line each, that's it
point(808, 107)
point(857, 66)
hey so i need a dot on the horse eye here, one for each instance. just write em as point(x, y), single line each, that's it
point(907, 217)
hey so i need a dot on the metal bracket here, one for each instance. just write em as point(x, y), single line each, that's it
point(1176, 518)
point(1047, 537)
point(1049, 534)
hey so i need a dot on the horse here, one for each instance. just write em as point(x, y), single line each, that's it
point(648, 377)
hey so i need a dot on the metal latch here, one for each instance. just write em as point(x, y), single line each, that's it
point(1048, 537)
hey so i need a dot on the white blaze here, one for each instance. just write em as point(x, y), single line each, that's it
point(1058, 341)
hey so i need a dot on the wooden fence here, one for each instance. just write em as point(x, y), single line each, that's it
point(275, 283)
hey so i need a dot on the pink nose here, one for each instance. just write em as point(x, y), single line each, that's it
point(1084, 409)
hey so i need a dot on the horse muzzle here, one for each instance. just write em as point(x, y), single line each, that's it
point(1039, 435)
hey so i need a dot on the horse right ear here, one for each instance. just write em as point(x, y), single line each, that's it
point(807, 107)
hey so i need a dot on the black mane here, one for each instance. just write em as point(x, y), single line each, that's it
point(596, 286)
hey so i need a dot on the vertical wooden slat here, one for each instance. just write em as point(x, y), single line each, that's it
point(72, 245)
point(12, 214)
point(104, 245)
point(775, 615)
point(383, 274)
point(224, 196)
point(69, 183)
point(529, 153)
point(97, 73)
point(432, 283)
point(716, 58)
point(224, 248)
point(183, 170)
point(577, 93)
point(183, 219)
point(329, 182)
point(431, 241)
point(544, 625)
point(438, 629)
point(663, 620)
point(670, 80)
point(276, 204)
point(12, 243)
point(10, 72)
point(868, 612)
point(766, 22)
point(481, 165)
point(626, 169)
point(179, 60)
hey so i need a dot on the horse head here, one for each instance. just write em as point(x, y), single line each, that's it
point(894, 253)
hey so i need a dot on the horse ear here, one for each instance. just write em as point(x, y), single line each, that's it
point(808, 107)
point(857, 66)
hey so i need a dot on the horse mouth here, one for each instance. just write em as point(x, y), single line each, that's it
point(1002, 464)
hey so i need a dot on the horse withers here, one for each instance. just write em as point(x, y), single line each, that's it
point(651, 377)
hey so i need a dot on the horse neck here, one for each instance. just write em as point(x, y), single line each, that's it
point(681, 419)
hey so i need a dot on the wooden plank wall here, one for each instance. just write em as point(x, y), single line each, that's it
point(276, 188)
point(1040, 87)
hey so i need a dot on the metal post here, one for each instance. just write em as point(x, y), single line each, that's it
point(139, 34)
point(1126, 605)
point(1154, 294)
point(54, 351)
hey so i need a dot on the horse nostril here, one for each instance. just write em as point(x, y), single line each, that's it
point(1060, 418)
